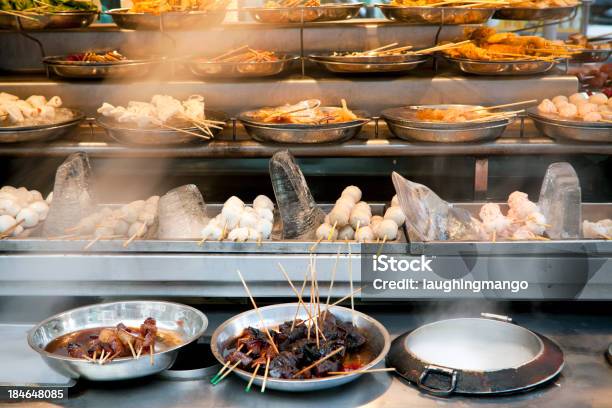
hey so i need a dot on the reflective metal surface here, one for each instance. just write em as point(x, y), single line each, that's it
point(364, 65)
point(284, 15)
point(187, 322)
point(534, 13)
point(58, 65)
point(436, 15)
point(524, 67)
point(213, 69)
point(569, 132)
point(59, 20)
point(19, 134)
point(591, 55)
point(122, 133)
point(167, 21)
point(378, 341)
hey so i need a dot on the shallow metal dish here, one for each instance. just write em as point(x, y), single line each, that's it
point(376, 334)
point(591, 55)
point(58, 65)
point(523, 67)
point(285, 15)
point(533, 13)
point(155, 137)
point(168, 20)
point(302, 134)
point(190, 323)
point(58, 20)
point(213, 69)
point(571, 130)
point(20, 134)
point(436, 15)
point(360, 65)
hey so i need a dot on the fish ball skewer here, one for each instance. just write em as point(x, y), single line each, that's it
point(325, 230)
point(386, 228)
point(353, 192)
point(359, 217)
point(262, 201)
point(396, 214)
point(346, 232)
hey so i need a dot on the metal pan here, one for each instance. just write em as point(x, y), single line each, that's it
point(212, 69)
point(519, 67)
point(565, 130)
point(378, 341)
point(51, 21)
point(20, 134)
point(364, 65)
point(591, 55)
point(436, 15)
point(475, 356)
point(186, 321)
point(286, 15)
point(533, 13)
point(58, 65)
point(302, 134)
point(168, 20)
point(156, 136)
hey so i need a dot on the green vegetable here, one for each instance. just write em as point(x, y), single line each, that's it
point(47, 6)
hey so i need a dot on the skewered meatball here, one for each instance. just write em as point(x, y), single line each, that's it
point(6, 222)
point(264, 213)
point(396, 214)
point(546, 106)
point(578, 98)
point(568, 111)
point(375, 220)
point(29, 217)
point(262, 201)
point(387, 228)
point(560, 99)
point(346, 232)
point(360, 218)
point(234, 201)
point(587, 108)
point(238, 234)
point(364, 234)
point(353, 192)
point(592, 117)
point(395, 201)
point(339, 217)
point(324, 231)
point(41, 208)
point(598, 98)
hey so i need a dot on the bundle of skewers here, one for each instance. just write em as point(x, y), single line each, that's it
point(292, 3)
point(245, 54)
point(384, 50)
point(161, 6)
point(166, 112)
point(451, 3)
point(470, 114)
point(91, 56)
point(308, 112)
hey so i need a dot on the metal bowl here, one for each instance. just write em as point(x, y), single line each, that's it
point(519, 67)
point(155, 136)
point(363, 65)
point(533, 13)
point(591, 55)
point(302, 134)
point(286, 15)
point(59, 20)
point(58, 65)
point(167, 20)
point(436, 15)
point(20, 134)
point(188, 322)
point(571, 130)
point(213, 69)
point(376, 334)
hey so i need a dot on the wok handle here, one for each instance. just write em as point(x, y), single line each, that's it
point(439, 370)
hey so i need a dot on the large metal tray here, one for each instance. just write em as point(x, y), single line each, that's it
point(59, 20)
point(124, 134)
point(19, 134)
point(137, 68)
point(519, 67)
point(571, 130)
point(213, 69)
point(436, 15)
point(166, 21)
point(286, 15)
point(365, 64)
point(302, 134)
point(533, 13)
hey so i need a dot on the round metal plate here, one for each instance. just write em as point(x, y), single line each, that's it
point(168, 20)
point(475, 356)
point(436, 15)
point(59, 66)
point(20, 134)
point(525, 67)
point(363, 65)
point(533, 13)
point(211, 69)
point(59, 20)
point(286, 15)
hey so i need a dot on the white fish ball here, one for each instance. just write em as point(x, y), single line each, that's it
point(129, 213)
point(346, 232)
point(212, 231)
point(387, 228)
point(598, 98)
point(254, 234)
point(359, 217)
point(6, 222)
point(9, 207)
point(30, 217)
point(262, 201)
point(586, 108)
point(233, 200)
point(339, 217)
point(324, 231)
point(592, 117)
point(121, 228)
point(364, 234)
point(24, 196)
point(578, 98)
point(395, 201)
point(8, 189)
point(231, 216)
point(238, 234)
point(87, 225)
point(265, 213)
point(248, 220)
point(377, 219)
point(353, 192)
point(153, 200)
point(362, 205)
point(546, 106)
point(36, 196)
point(265, 228)
point(396, 214)
point(560, 99)
point(41, 208)
point(17, 231)
point(346, 201)
point(138, 204)
point(568, 111)
point(489, 211)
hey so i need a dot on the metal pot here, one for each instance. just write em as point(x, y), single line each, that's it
point(475, 356)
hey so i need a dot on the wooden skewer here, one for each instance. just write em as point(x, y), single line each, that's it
point(298, 308)
point(299, 296)
point(441, 47)
point(258, 313)
point(132, 349)
point(350, 271)
point(371, 370)
point(89, 358)
point(101, 360)
point(20, 15)
point(184, 131)
point(139, 353)
point(314, 246)
point(331, 283)
point(95, 354)
point(378, 49)
point(230, 52)
point(92, 242)
point(232, 368)
point(381, 245)
point(136, 234)
point(151, 352)
point(337, 302)
point(248, 387)
point(319, 361)
point(10, 229)
point(506, 105)
point(265, 379)
point(331, 232)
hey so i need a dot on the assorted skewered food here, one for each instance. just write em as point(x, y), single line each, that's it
point(523, 221)
point(352, 219)
point(33, 111)
point(581, 106)
point(449, 3)
point(461, 114)
point(582, 41)
point(244, 54)
point(292, 3)
point(239, 222)
point(106, 56)
point(160, 6)
point(601, 229)
point(308, 112)
point(542, 3)
point(21, 210)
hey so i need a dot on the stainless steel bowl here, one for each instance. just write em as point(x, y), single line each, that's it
point(59, 20)
point(286, 15)
point(212, 69)
point(184, 320)
point(590, 55)
point(524, 67)
point(58, 65)
point(168, 20)
point(376, 334)
point(155, 136)
point(436, 15)
point(363, 65)
point(532, 13)
point(302, 134)
point(571, 130)
point(20, 134)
